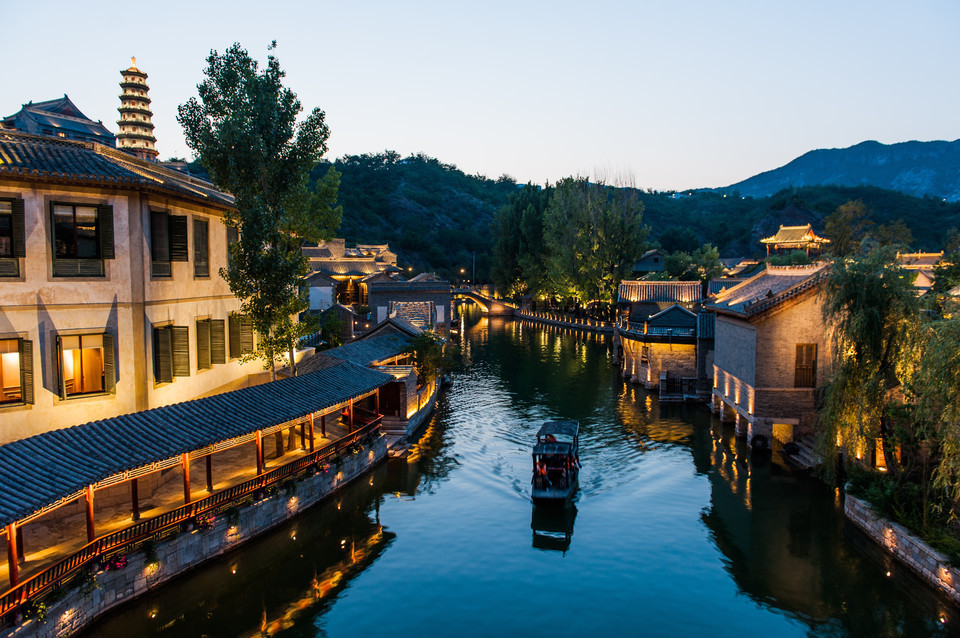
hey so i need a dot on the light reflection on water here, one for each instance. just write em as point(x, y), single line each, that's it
point(676, 530)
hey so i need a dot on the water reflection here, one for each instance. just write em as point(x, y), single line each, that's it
point(679, 531)
point(553, 527)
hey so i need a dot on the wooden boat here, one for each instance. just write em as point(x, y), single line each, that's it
point(556, 462)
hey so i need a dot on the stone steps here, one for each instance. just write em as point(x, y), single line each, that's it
point(806, 457)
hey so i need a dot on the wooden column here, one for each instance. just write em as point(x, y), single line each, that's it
point(135, 499)
point(12, 563)
point(350, 424)
point(210, 473)
point(259, 452)
point(20, 555)
point(91, 531)
point(311, 431)
point(303, 435)
point(185, 462)
point(323, 425)
point(376, 402)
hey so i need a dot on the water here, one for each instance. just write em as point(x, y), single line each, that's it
point(676, 530)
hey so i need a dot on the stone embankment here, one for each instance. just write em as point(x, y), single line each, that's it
point(149, 566)
point(922, 559)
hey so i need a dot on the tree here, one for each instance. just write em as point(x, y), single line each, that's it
point(427, 351)
point(846, 227)
point(873, 314)
point(703, 264)
point(519, 252)
point(244, 130)
point(593, 235)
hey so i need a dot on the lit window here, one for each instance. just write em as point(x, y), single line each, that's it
point(16, 371)
point(86, 364)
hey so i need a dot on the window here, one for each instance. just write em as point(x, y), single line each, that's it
point(201, 261)
point(241, 335)
point(16, 371)
point(82, 239)
point(12, 237)
point(168, 242)
point(211, 343)
point(806, 368)
point(171, 353)
point(85, 364)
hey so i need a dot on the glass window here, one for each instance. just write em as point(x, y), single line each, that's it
point(82, 364)
point(6, 229)
point(75, 231)
point(10, 371)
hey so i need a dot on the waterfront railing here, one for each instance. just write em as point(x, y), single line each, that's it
point(127, 539)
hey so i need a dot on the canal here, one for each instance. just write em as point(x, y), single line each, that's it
point(676, 531)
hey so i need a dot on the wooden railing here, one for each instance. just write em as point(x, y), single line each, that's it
point(157, 526)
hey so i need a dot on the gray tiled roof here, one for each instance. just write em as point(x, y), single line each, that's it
point(669, 291)
point(42, 469)
point(369, 351)
point(64, 161)
point(767, 289)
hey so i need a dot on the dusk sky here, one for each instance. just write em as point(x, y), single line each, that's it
point(670, 95)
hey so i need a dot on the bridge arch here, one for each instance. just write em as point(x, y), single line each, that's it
point(487, 305)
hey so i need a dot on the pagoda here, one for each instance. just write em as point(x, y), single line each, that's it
point(136, 128)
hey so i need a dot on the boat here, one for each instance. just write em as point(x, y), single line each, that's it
point(556, 462)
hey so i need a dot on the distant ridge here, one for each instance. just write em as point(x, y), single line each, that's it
point(921, 169)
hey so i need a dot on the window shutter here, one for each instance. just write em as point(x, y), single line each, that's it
point(235, 349)
point(159, 237)
point(218, 346)
point(61, 382)
point(201, 264)
point(19, 229)
point(162, 358)
point(246, 335)
point(203, 344)
point(178, 238)
point(181, 351)
point(109, 365)
point(26, 370)
point(105, 230)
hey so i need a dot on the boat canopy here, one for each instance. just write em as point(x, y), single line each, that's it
point(564, 428)
point(553, 448)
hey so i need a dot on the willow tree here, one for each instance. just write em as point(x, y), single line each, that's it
point(873, 314)
point(244, 129)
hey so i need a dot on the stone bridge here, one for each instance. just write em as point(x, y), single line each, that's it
point(488, 306)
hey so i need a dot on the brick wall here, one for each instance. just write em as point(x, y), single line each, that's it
point(777, 337)
point(735, 348)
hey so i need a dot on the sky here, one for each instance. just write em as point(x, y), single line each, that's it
point(666, 94)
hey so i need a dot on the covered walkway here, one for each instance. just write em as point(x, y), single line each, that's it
point(64, 489)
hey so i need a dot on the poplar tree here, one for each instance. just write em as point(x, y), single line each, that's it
point(244, 130)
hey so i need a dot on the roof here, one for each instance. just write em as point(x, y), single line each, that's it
point(916, 261)
point(424, 277)
point(768, 289)
point(706, 325)
point(43, 469)
point(567, 427)
point(673, 317)
point(716, 286)
point(55, 160)
point(319, 279)
point(387, 340)
point(355, 267)
point(60, 113)
point(795, 235)
point(669, 291)
point(553, 447)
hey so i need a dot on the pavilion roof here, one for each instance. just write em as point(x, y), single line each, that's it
point(795, 235)
point(45, 469)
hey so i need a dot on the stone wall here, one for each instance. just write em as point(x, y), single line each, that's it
point(925, 561)
point(189, 549)
point(736, 348)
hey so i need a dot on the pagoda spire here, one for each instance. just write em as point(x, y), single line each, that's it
point(136, 125)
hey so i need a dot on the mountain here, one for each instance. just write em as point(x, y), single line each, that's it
point(921, 169)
